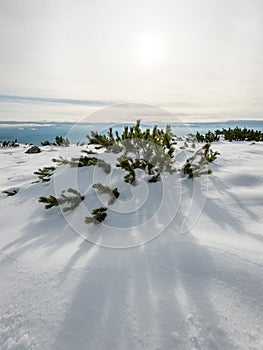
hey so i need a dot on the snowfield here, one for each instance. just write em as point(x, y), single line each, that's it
point(177, 264)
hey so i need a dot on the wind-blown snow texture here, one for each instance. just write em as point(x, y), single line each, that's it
point(195, 282)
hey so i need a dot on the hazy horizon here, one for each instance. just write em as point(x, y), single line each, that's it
point(196, 60)
point(59, 110)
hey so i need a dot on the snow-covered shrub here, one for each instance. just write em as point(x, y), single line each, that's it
point(72, 200)
point(9, 143)
point(50, 201)
point(11, 192)
point(45, 173)
point(236, 134)
point(84, 161)
point(197, 164)
point(33, 150)
point(59, 141)
point(98, 215)
point(113, 193)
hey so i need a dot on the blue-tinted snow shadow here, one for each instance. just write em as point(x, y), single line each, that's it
point(153, 296)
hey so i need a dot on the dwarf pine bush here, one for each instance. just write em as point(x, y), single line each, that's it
point(97, 139)
point(128, 165)
point(236, 134)
point(197, 164)
point(210, 156)
point(148, 150)
point(50, 201)
point(88, 151)
point(113, 193)
point(46, 143)
point(10, 192)
point(9, 143)
point(98, 215)
point(208, 137)
point(59, 141)
point(84, 161)
point(60, 161)
point(71, 200)
point(151, 151)
point(45, 173)
point(187, 169)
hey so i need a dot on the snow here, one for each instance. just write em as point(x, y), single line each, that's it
point(176, 265)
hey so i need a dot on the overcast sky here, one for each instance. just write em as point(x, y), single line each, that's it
point(200, 59)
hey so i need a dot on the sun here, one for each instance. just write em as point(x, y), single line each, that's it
point(150, 49)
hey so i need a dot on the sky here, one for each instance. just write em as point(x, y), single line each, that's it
point(196, 59)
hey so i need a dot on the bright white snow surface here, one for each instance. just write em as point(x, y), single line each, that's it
point(175, 265)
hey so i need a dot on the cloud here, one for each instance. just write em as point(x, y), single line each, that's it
point(48, 100)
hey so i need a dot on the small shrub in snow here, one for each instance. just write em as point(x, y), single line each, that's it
point(88, 151)
point(33, 149)
point(10, 192)
point(115, 148)
point(45, 173)
point(72, 200)
point(188, 169)
point(210, 156)
point(98, 215)
point(148, 150)
point(151, 151)
point(60, 161)
point(127, 164)
point(50, 201)
point(102, 140)
point(84, 161)
point(106, 167)
point(61, 141)
point(236, 134)
point(208, 137)
point(9, 143)
point(113, 193)
point(134, 133)
point(46, 143)
point(196, 165)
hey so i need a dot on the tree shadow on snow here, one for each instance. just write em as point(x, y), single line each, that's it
point(155, 296)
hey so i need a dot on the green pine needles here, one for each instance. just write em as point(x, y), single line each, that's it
point(147, 152)
point(88, 151)
point(50, 201)
point(10, 192)
point(45, 173)
point(208, 137)
point(158, 136)
point(98, 215)
point(113, 193)
point(210, 155)
point(71, 200)
point(9, 143)
point(102, 140)
point(59, 141)
point(197, 164)
point(236, 134)
point(128, 165)
point(84, 161)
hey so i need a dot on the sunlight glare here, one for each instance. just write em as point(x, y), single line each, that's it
point(150, 50)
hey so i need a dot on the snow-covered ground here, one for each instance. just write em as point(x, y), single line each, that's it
point(175, 265)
